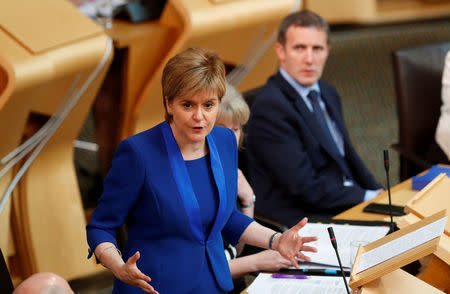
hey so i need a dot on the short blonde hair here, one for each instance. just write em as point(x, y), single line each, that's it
point(233, 107)
point(191, 71)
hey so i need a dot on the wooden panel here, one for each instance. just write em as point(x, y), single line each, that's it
point(437, 274)
point(443, 251)
point(432, 198)
point(7, 80)
point(59, 21)
point(48, 217)
point(377, 11)
point(398, 281)
point(146, 45)
point(381, 269)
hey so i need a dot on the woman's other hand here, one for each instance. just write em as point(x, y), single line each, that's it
point(290, 244)
point(270, 261)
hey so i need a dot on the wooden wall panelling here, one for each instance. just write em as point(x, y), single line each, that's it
point(49, 217)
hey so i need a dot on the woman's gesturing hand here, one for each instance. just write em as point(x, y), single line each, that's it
point(290, 244)
point(130, 274)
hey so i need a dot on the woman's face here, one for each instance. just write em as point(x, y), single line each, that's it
point(193, 117)
point(230, 124)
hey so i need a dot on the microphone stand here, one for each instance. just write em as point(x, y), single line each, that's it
point(334, 243)
point(386, 168)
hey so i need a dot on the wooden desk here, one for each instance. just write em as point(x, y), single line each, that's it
point(398, 281)
point(436, 271)
point(400, 194)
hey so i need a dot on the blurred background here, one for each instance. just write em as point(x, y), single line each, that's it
point(77, 77)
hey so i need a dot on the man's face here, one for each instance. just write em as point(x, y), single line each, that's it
point(304, 54)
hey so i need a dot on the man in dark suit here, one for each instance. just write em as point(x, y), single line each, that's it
point(302, 162)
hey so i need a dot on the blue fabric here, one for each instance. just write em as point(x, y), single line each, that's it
point(205, 191)
point(292, 168)
point(419, 182)
point(141, 187)
point(183, 182)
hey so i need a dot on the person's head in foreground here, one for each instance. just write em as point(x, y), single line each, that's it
point(44, 283)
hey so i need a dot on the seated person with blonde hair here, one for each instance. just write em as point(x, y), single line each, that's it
point(233, 114)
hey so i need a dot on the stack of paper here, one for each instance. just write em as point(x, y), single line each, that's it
point(401, 244)
point(265, 284)
point(345, 236)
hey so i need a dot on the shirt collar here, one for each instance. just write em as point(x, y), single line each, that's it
point(303, 90)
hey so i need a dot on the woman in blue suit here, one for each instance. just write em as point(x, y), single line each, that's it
point(176, 184)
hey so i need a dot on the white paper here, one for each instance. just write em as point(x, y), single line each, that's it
point(345, 235)
point(401, 245)
point(265, 284)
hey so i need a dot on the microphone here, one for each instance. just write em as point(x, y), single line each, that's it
point(386, 168)
point(334, 243)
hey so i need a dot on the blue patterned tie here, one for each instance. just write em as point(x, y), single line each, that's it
point(320, 117)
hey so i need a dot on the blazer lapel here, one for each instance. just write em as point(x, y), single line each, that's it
point(309, 118)
point(186, 190)
point(183, 183)
point(219, 178)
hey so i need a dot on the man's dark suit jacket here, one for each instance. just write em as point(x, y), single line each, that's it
point(293, 169)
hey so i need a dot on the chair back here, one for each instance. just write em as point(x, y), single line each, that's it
point(418, 81)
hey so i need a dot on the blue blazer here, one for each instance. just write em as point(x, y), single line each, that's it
point(293, 169)
point(145, 185)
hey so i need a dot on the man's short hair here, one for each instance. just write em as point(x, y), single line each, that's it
point(303, 18)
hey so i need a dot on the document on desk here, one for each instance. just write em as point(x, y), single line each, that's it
point(402, 244)
point(345, 236)
point(265, 284)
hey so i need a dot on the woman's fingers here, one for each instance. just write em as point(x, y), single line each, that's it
point(139, 275)
point(135, 271)
point(308, 239)
point(134, 258)
point(146, 287)
point(133, 276)
point(302, 257)
point(294, 262)
point(309, 248)
point(300, 224)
